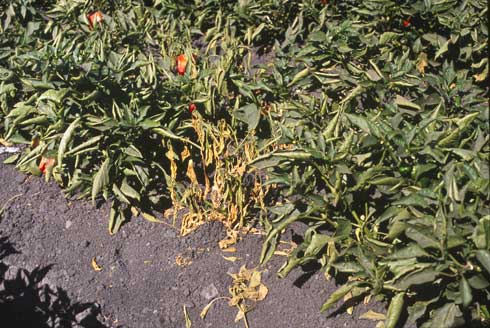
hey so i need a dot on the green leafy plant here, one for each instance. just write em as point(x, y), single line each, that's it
point(366, 121)
point(387, 164)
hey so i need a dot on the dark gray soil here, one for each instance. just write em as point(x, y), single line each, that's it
point(140, 284)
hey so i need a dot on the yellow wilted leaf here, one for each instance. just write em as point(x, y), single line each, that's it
point(5, 143)
point(150, 217)
point(191, 174)
point(481, 77)
point(231, 258)
point(422, 63)
point(347, 297)
point(255, 279)
point(185, 153)
point(182, 261)
point(262, 292)
point(231, 239)
point(371, 315)
point(95, 266)
point(171, 157)
point(240, 315)
point(229, 250)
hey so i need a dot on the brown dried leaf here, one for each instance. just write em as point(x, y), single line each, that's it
point(95, 266)
point(422, 63)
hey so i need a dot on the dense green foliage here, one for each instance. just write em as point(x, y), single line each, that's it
point(369, 120)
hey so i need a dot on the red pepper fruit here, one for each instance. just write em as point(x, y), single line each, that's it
point(95, 18)
point(324, 2)
point(46, 163)
point(192, 107)
point(407, 22)
point(181, 64)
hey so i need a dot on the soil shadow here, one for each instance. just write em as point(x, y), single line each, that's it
point(28, 300)
point(140, 284)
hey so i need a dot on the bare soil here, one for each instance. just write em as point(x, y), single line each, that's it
point(47, 243)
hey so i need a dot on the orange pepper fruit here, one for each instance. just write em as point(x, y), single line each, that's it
point(46, 163)
point(95, 18)
point(181, 64)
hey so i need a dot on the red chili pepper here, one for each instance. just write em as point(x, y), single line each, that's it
point(46, 163)
point(324, 2)
point(192, 107)
point(407, 22)
point(95, 18)
point(181, 64)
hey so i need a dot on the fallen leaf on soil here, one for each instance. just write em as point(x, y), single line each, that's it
point(347, 297)
point(188, 323)
point(231, 258)
point(182, 261)
point(205, 311)
point(371, 315)
point(231, 239)
point(95, 266)
point(246, 286)
point(229, 250)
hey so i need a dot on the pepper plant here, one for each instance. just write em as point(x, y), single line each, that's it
point(365, 121)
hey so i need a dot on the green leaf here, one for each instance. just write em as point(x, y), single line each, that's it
point(481, 234)
point(318, 242)
point(417, 310)
point(479, 282)
point(338, 294)
point(11, 159)
point(299, 76)
point(65, 140)
point(404, 102)
point(249, 114)
point(407, 252)
point(101, 178)
point(412, 200)
point(129, 191)
point(54, 95)
point(483, 257)
point(116, 218)
point(387, 37)
point(423, 238)
point(394, 310)
point(447, 316)
point(417, 278)
point(465, 291)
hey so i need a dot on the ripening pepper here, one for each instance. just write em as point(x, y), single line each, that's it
point(181, 64)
